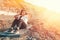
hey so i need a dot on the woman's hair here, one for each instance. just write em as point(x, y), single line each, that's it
point(22, 12)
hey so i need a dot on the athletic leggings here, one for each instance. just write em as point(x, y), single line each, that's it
point(17, 24)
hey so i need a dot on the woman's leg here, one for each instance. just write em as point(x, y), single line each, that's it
point(13, 24)
point(23, 25)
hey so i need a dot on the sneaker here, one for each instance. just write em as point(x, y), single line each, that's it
point(17, 28)
point(12, 31)
point(17, 32)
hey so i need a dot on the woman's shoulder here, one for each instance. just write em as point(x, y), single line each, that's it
point(26, 16)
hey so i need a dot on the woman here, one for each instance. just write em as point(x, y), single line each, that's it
point(20, 21)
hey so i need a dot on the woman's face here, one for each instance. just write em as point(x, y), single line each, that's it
point(23, 13)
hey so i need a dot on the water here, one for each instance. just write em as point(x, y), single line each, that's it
point(8, 38)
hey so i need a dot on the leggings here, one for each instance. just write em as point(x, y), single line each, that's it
point(18, 23)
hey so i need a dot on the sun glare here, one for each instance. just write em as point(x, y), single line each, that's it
point(52, 15)
point(53, 5)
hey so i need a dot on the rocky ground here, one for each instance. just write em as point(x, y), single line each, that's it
point(36, 32)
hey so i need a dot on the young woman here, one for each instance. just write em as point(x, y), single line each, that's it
point(20, 21)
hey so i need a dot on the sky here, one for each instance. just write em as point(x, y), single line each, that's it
point(49, 4)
